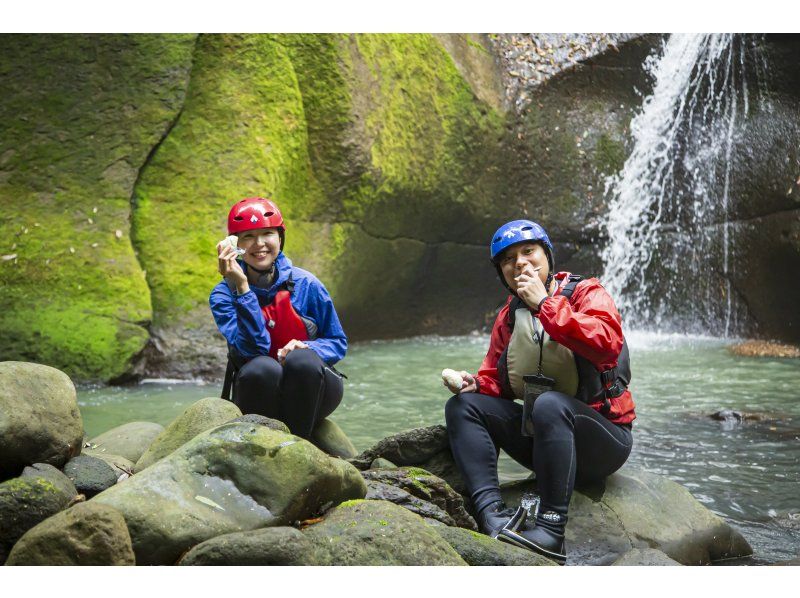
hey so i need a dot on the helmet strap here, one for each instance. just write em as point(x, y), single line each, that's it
point(265, 277)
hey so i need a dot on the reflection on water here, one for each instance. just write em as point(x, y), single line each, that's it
point(747, 472)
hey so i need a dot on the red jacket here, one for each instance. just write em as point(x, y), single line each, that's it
point(588, 325)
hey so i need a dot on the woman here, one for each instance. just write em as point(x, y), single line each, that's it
point(282, 330)
point(560, 336)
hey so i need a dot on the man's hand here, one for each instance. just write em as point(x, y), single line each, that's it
point(230, 268)
point(468, 384)
point(530, 287)
point(290, 346)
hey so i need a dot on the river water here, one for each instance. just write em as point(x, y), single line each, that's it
point(746, 472)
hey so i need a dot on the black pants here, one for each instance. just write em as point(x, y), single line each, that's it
point(570, 440)
point(300, 393)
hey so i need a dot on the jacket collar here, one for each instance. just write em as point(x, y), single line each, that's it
point(284, 267)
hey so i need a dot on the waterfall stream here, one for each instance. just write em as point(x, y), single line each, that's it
point(668, 260)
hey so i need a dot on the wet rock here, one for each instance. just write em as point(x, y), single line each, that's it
point(731, 416)
point(235, 477)
point(372, 532)
point(329, 437)
point(634, 509)
point(198, 417)
point(756, 348)
point(647, 557)
point(480, 550)
point(41, 491)
point(39, 417)
point(128, 440)
point(379, 491)
point(426, 487)
point(261, 420)
point(90, 475)
point(269, 546)
point(381, 463)
point(86, 534)
point(120, 465)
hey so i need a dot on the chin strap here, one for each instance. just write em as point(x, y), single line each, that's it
point(265, 277)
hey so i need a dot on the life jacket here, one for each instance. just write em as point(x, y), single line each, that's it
point(579, 378)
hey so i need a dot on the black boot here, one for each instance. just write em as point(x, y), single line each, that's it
point(545, 536)
point(496, 516)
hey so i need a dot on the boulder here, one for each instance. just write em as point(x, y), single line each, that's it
point(648, 557)
point(90, 475)
point(375, 532)
point(480, 550)
point(120, 465)
point(329, 437)
point(39, 417)
point(198, 417)
point(41, 491)
point(634, 509)
point(128, 440)
point(254, 418)
point(380, 491)
point(268, 546)
point(235, 477)
point(381, 463)
point(85, 534)
point(427, 487)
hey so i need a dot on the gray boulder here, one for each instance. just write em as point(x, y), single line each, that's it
point(268, 546)
point(86, 534)
point(39, 417)
point(423, 486)
point(128, 440)
point(41, 491)
point(120, 465)
point(480, 550)
point(647, 557)
point(380, 491)
point(232, 478)
point(329, 437)
point(90, 475)
point(634, 509)
point(254, 418)
point(374, 532)
point(200, 416)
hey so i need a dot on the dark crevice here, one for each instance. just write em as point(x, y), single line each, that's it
point(393, 237)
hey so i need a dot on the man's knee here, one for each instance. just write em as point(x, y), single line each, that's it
point(460, 405)
point(549, 407)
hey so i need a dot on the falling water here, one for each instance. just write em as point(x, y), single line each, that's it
point(668, 261)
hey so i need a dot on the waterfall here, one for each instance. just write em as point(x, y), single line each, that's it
point(667, 260)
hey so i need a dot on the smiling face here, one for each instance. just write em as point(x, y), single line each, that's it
point(513, 260)
point(261, 247)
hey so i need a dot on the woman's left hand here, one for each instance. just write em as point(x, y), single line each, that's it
point(530, 287)
point(290, 346)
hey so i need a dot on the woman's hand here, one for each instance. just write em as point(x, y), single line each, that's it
point(468, 384)
point(230, 268)
point(290, 346)
point(530, 287)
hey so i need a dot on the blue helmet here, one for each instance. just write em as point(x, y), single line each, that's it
point(519, 231)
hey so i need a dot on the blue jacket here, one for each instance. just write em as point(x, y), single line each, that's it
point(241, 322)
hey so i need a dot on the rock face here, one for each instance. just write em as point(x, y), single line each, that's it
point(235, 477)
point(329, 437)
point(638, 510)
point(269, 546)
point(90, 475)
point(128, 440)
point(198, 417)
point(41, 491)
point(373, 532)
point(86, 534)
point(480, 550)
point(39, 417)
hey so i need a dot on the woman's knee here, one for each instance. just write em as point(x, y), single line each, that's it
point(260, 370)
point(303, 360)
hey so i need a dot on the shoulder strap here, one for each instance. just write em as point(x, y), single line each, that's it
point(515, 304)
point(569, 288)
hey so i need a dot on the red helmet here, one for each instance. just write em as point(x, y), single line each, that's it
point(254, 212)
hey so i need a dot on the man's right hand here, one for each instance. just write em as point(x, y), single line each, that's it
point(468, 384)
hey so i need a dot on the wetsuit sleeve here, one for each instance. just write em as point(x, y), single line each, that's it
point(240, 321)
point(590, 325)
point(487, 377)
point(331, 341)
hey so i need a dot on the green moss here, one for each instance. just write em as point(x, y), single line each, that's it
point(609, 155)
point(348, 504)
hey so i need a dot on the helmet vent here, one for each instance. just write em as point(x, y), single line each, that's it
point(527, 228)
point(497, 239)
point(268, 214)
point(239, 218)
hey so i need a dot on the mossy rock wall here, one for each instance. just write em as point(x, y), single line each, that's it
point(393, 158)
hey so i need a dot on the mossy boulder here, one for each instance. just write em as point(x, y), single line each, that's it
point(128, 440)
point(329, 437)
point(387, 492)
point(198, 417)
point(85, 534)
point(90, 475)
point(480, 550)
point(261, 420)
point(269, 546)
point(634, 509)
point(41, 491)
point(374, 532)
point(39, 417)
point(232, 478)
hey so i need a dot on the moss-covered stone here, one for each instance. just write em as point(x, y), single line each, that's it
point(329, 437)
point(480, 550)
point(128, 440)
point(269, 546)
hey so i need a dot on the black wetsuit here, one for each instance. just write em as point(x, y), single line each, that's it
point(570, 440)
